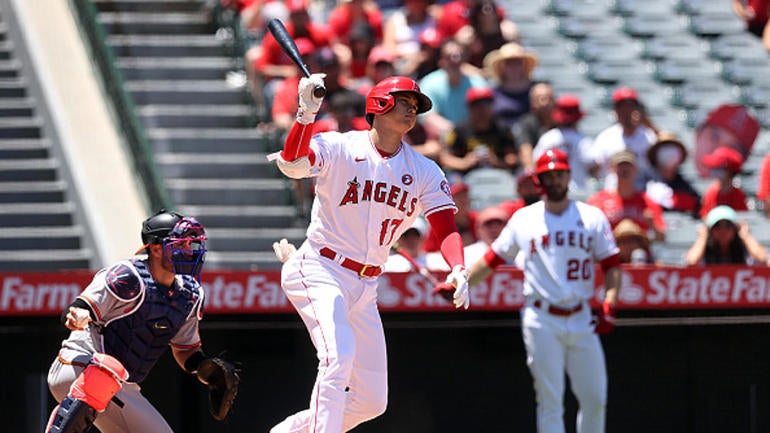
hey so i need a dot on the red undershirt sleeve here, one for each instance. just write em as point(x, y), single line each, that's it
point(610, 262)
point(443, 223)
point(297, 143)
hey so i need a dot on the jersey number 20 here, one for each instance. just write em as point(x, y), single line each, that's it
point(577, 270)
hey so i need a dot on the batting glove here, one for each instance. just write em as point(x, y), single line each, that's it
point(458, 279)
point(606, 319)
point(309, 103)
point(284, 250)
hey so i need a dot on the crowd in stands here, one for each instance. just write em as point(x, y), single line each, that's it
point(490, 114)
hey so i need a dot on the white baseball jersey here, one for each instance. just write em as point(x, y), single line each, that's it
point(559, 250)
point(364, 201)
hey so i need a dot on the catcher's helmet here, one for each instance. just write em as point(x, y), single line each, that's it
point(380, 99)
point(158, 226)
point(552, 160)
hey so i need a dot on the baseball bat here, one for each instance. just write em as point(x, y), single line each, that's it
point(288, 46)
point(418, 267)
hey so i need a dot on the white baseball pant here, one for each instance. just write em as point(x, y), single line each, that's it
point(339, 309)
point(556, 344)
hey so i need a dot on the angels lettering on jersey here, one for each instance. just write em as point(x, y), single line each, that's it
point(380, 192)
point(563, 238)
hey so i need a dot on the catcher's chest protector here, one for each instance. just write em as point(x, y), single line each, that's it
point(140, 338)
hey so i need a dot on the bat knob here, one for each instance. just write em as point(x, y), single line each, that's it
point(319, 92)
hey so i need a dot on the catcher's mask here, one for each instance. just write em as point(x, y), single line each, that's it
point(185, 247)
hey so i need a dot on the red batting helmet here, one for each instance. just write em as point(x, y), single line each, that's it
point(552, 160)
point(380, 99)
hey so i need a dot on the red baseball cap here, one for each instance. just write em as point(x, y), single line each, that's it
point(567, 109)
point(623, 93)
point(724, 157)
point(475, 94)
point(380, 54)
point(431, 37)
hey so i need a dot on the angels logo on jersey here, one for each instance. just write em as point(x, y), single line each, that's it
point(379, 192)
point(559, 238)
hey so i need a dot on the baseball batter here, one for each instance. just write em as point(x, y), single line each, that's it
point(122, 323)
point(561, 239)
point(370, 187)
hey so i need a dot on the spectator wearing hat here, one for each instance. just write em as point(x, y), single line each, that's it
point(486, 31)
point(528, 191)
point(755, 13)
point(409, 246)
point(532, 125)
point(664, 184)
point(267, 64)
point(633, 243)
point(379, 65)
point(447, 87)
point(465, 218)
point(456, 14)
point(403, 28)
point(488, 224)
point(626, 202)
point(361, 41)
point(724, 240)
point(628, 132)
point(480, 141)
point(763, 187)
point(725, 163)
point(729, 125)
point(510, 67)
point(566, 137)
point(426, 60)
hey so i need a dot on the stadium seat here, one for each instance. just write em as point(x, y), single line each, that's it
point(744, 71)
point(756, 95)
point(636, 7)
point(704, 93)
point(698, 7)
point(676, 45)
point(652, 25)
point(590, 94)
point(579, 26)
point(489, 186)
point(520, 10)
point(538, 28)
point(715, 24)
point(680, 70)
point(615, 47)
point(735, 45)
point(578, 8)
point(614, 71)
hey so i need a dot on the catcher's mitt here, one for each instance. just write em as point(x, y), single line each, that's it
point(222, 379)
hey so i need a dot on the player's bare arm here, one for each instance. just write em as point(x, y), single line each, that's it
point(612, 278)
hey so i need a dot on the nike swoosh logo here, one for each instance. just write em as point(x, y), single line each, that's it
point(360, 159)
point(157, 325)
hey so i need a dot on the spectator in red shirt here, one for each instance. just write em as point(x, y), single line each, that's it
point(346, 13)
point(361, 42)
point(528, 191)
point(267, 64)
point(626, 202)
point(456, 14)
point(725, 163)
point(285, 104)
point(763, 189)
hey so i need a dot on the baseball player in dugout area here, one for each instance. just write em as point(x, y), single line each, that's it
point(560, 239)
point(122, 323)
point(370, 188)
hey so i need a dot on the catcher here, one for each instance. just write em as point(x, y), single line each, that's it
point(121, 324)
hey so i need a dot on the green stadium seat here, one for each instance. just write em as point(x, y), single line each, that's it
point(578, 8)
point(611, 48)
point(698, 7)
point(520, 10)
point(756, 95)
point(579, 26)
point(614, 71)
point(636, 7)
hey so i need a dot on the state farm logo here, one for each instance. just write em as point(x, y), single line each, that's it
point(18, 296)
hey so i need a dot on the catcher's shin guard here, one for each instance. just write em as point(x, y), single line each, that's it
point(89, 394)
point(71, 416)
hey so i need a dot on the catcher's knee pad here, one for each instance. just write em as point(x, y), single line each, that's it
point(99, 382)
point(71, 416)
